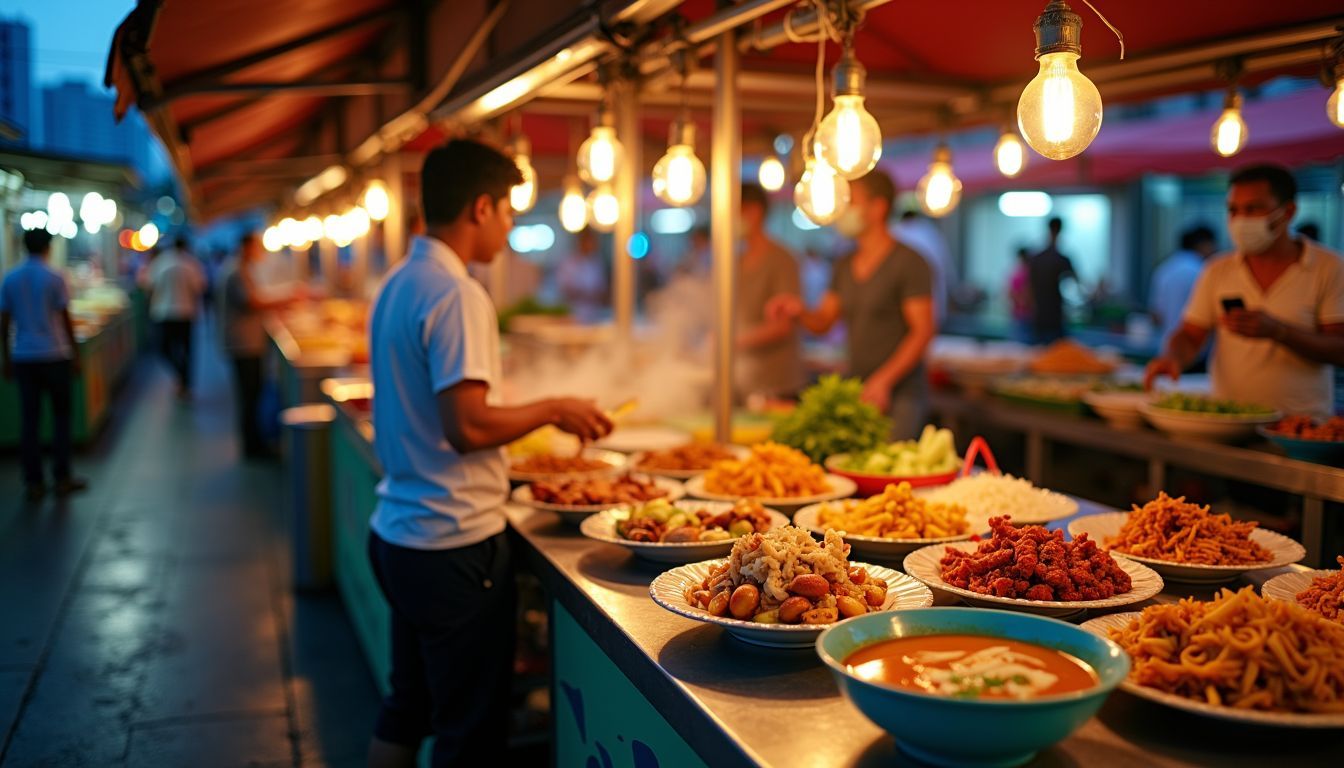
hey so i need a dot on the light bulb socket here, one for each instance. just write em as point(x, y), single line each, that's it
point(1232, 100)
point(942, 154)
point(605, 116)
point(522, 146)
point(1058, 30)
point(849, 74)
point(682, 131)
point(572, 184)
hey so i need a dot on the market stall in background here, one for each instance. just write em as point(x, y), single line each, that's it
point(638, 122)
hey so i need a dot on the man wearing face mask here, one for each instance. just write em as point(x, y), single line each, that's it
point(883, 292)
point(1275, 305)
point(767, 348)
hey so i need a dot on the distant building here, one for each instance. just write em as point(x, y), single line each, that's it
point(77, 120)
point(16, 82)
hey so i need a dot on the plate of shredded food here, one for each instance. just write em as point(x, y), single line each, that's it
point(987, 494)
point(682, 531)
point(1187, 542)
point(781, 588)
point(576, 498)
point(776, 475)
point(1318, 591)
point(685, 461)
point(1034, 570)
point(1238, 657)
point(546, 466)
point(892, 524)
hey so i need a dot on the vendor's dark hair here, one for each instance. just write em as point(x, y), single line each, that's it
point(1055, 225)
point(754, 194)
point(881, 186)
point(1193, 237)
point(35, 241)
point(1280, 180)
point(457, 173)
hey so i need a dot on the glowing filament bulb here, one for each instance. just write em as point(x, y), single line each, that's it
point(1334, 106)
point(771, 174)
point(939, 190)
point(1059, 112)
point(821, 194)
point(679, 176)
point(573, 208)
point(1010, 157)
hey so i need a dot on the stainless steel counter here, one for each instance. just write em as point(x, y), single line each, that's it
point(735, 704)
point(1255, 464)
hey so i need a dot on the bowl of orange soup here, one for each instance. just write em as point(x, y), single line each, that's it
point(972, 686)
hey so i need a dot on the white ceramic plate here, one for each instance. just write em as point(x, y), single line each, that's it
point(1102, 624)
point(1285, 586)
point(632, 439)
point(680, 474)
point(1105, 526)
point(1052, 506)
point(924, 565)
point(1120, 409)
point(669, 591)
point(602, 527)
point(841, 487)
point(614, 462)
point(576, 513)
point(1220, 427)
point(878, 548)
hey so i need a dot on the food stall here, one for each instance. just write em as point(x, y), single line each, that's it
point(314, 340)
point(646, 670)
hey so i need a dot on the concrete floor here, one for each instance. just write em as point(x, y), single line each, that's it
point(149, 622)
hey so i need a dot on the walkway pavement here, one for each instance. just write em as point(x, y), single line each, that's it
point(149, 621)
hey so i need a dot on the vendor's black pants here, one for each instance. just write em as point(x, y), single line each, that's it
point(452, 648)
point(175, 345)
point(52, 380)
point(247, 374)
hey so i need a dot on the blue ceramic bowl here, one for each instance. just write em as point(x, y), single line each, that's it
point(1315, 451)
point(961, 732)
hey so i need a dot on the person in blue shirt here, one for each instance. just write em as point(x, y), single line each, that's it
point(34, 304)
point(1175, 277)
point(437, 542)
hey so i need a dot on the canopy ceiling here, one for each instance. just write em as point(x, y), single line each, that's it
point(249, 111)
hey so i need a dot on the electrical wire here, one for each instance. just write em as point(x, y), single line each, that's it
point(1118, 35)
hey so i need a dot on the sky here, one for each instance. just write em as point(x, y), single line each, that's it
point(70, 37)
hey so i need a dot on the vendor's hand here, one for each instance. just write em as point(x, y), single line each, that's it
point(581, 418)
point(1161, 366)
point(877, 393)
point(1253, 323)
point(785, 307)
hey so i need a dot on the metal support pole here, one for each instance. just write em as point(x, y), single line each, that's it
point(359, 264)
point(725, 196)
point(394, 226)
point(626, 108)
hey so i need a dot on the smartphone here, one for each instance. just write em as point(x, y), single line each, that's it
point(1232, 303)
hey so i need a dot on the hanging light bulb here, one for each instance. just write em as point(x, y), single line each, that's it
point(771, 174)
point(1009, 155)
point(821, 193)
point(604, 208)
point(1059, 112)
point(271, 240)
point(573, 208)
point(1334, 106)
point(1334, 73)
point(939, 190)
point(849, 139)
point(679, 176)
point(376, 200)
point(523, 196)
point(1229, 130)
point(600, 154)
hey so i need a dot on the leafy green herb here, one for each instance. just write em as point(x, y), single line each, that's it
point(1178, 401)
point(831, 418)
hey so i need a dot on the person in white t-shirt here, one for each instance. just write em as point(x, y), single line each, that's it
point(1275, 305)
point(176, 283)
point(437, 544)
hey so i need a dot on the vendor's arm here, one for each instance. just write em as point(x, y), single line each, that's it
point(1324, 344)
point(1180, 353)
point(472, 424)
point(790, 308)
point(918, 313)
point(773, 329)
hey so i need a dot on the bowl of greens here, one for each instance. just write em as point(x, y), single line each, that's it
point(831, 418)
point(1197, 417)
point(931, 460)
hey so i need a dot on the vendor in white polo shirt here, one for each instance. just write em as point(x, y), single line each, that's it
point(438, 545)
point(1275, 306)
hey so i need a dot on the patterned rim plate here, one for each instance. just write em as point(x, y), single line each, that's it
point(575, 513)
point(1101, 624)
point(841, 487)
point(1104, 526)
point(1063, 506)
point(1285, 586)
point(923, 564)
point(877, 547)
point(680, 474)
point(669, 591)
point(614, 461)
point(602, 527)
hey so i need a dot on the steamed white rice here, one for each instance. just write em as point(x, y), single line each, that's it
point(988, 495)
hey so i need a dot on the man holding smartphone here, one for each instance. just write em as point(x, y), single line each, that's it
point(1275, 306)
